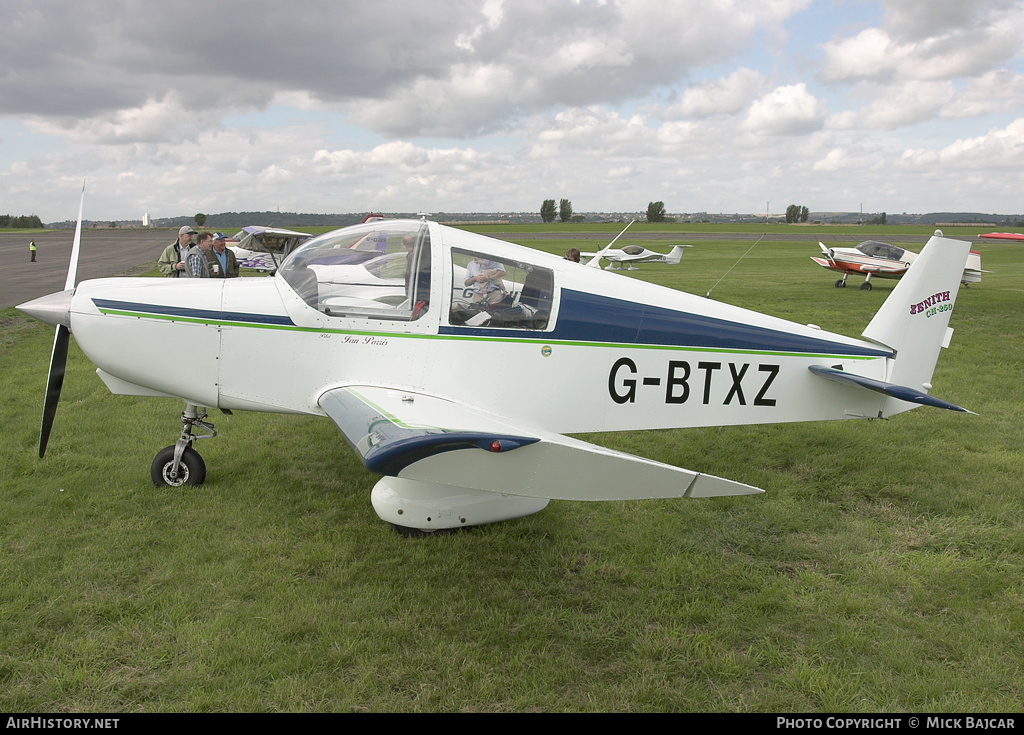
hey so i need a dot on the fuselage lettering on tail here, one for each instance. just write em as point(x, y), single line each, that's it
point(922, 306)
point(680, 380)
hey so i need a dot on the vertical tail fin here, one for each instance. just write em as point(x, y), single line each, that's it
point(973, 271)
point(675, 255)
point(914, 320)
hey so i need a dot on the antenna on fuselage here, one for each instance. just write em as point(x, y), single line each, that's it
point(708, 294)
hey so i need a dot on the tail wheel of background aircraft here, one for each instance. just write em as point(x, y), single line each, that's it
point(866, 286)
point(191, 468)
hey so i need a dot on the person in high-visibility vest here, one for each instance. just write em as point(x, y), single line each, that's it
point(32, 250)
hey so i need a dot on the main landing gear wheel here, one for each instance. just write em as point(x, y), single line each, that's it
point(866, 286)
point(841, 283)
point(191, 468)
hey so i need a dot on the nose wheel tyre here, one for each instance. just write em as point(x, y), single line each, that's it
point(191, 468)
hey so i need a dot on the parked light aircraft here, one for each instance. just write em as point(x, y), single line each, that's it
point(462, 402)
point(633, 254)
point(264, 248)
point(1015, 236)
point(882, 260)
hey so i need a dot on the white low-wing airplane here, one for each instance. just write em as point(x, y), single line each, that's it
point(633, 254)
point(263, 248)
point(460, 393)
point(882, 260)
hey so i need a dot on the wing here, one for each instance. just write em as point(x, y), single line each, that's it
point(902, 268)
point(1019, 237)
point(421, 437)
point(824, 263)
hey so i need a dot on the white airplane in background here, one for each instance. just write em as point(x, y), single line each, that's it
point(466, 418)
point(264, 248)
point(633, 254)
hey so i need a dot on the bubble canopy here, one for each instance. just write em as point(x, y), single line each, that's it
point(379, 269)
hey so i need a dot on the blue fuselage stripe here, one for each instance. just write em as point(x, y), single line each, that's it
point(185, 312)
point(585, 317)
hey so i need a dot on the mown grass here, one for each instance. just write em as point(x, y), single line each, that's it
point(881, 570)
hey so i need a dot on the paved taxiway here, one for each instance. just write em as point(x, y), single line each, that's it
point(104, 253)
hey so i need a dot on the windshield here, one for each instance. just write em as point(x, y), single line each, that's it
point(378, 270)
point(884, 250)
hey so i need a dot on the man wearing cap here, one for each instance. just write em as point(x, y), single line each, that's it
point(172, 261)
point(222, 262)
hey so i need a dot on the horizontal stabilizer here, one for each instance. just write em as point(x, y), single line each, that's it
point(896, 391)
point(431, 439)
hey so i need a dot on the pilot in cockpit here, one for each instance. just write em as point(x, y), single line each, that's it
point(484, 278)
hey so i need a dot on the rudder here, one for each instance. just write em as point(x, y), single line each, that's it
point(914, 320)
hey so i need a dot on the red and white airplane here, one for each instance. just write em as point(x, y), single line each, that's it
point(1015, 236)
point(882, 260)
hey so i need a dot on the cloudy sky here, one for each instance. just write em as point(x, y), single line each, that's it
point(175, 107)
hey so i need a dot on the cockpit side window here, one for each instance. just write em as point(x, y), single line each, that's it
point(378, 271)
point(875, 249)
point(495, 292)
point(870, 248)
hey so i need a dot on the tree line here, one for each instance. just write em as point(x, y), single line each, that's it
point(796, 213)
point(564, 211)
point(655, 213)
point(29, 222)
point(548, 211)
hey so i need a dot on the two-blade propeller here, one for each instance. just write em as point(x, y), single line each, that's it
point(59, 355)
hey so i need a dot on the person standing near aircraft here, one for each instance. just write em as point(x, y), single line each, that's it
point(573, 254)
point(197, 263)
point(172, 260)
point(484, 278)
point(221, 261)
point(32, 250)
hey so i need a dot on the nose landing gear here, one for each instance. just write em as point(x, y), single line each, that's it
point(180, 464)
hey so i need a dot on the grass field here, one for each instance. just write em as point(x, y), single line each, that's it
point(881, 571)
